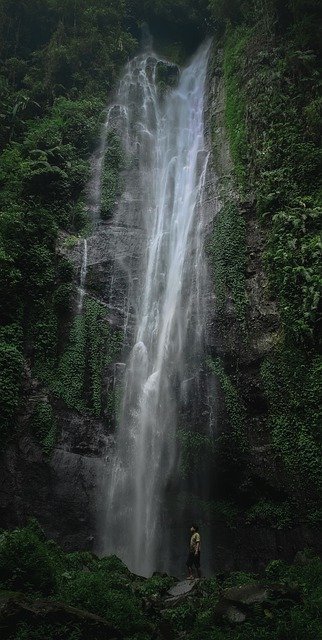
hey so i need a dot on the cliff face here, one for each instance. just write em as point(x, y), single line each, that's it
point(246, 332)
point(248, 515)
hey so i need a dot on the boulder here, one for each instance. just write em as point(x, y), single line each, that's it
point(179, 592)
point(247, 593)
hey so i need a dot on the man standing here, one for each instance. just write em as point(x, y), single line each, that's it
point(194, 553)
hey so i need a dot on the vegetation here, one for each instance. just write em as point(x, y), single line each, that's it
point(272, 115)
point(59, 61)
point(113, 164)
point(229, 259)
point(135, 606)
point(234, 406)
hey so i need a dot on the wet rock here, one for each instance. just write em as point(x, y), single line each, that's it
point(167, 74)
point(247, 593)
point(236, 604)
point(179, 592)
point(182, 588)
point(234, 615)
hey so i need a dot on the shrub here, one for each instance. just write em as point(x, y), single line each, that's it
point(26, 563)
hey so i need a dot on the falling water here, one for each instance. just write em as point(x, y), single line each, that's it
point(163, 136)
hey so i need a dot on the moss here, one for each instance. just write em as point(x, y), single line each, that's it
point(235, 103)
point(272, 514)
point(194, 447)
point(114, 402)
point(212, 510)
point(114, 162)
point(228, 250)
point(43, 426)
point(11, 367)
point(291, 381)
point(91, 347)
point(234, 406)
point(69, 382)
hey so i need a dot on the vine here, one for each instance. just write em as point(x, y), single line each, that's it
point(114, 162)
point(234, 406)
point(92, 346)
point(228, 248)
point(235, 104)
point(43, 426)
point(288, 377)
point(195, 447)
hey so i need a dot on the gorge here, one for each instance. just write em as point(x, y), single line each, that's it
point(160, 211)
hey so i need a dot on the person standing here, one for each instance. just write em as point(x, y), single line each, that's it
point(194, 553)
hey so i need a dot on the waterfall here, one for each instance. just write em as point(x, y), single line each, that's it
point(163, 137)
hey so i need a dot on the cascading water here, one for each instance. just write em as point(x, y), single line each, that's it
point(163, 137)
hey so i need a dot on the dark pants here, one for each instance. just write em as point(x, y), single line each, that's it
point(193, 560)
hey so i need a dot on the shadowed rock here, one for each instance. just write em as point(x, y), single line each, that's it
point(15, 608)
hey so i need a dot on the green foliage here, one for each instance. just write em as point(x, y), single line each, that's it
point(98, 333)
point(212, 510)
point(234, 406)
point(271, 70)
point(91, 347)
point(283, 171)
point(238, 578)
point(62, 298)
point(294, 258)
point(289, 377)
point(26, 562)
point(114, 402)
point(194, 448)
point(182, 616)
point(224, 12)
point(43, 426)
point(11, 364)
point(229, 259)
point(38, 631)
point(272, 514)
point(156, 586)
point(70, 381)
point(135, 605)
point(106, 595)
point(59, 60)
point(111, 182)
point(235, 101)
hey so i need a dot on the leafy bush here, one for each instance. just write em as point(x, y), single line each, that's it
point(11, 363)
point(107, 595)
point(26, 563)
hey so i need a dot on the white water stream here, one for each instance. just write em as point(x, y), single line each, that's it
point(164, 136)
